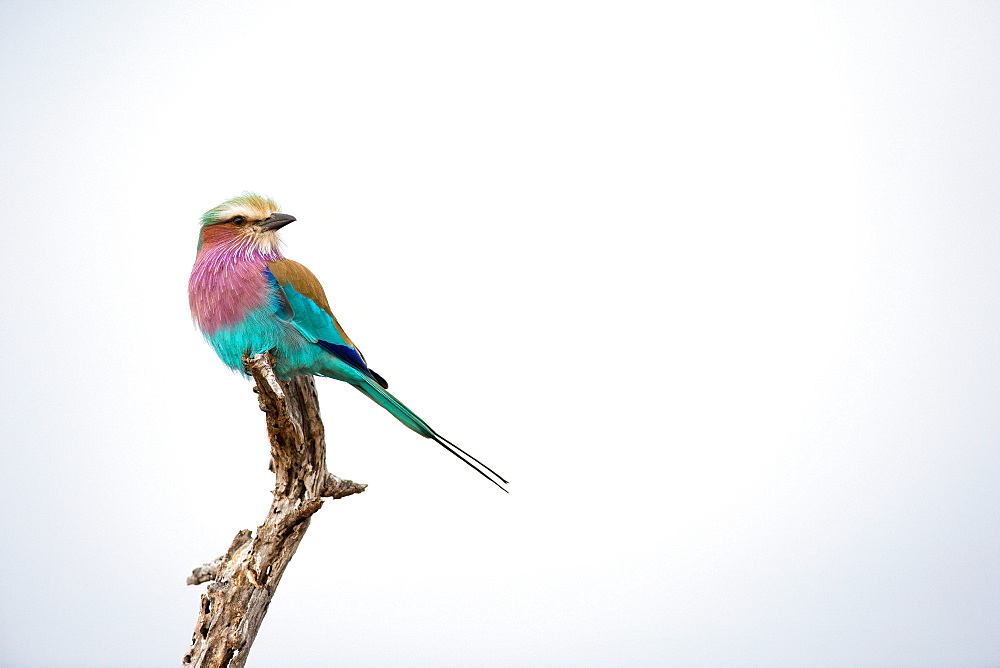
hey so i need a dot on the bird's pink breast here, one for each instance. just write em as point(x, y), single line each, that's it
point(227, 284)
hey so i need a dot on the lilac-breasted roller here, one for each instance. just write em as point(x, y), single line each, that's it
point(247, 298)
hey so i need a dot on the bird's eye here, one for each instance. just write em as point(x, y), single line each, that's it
point(238, 220)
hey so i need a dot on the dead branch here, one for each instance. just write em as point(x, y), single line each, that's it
point(243, 580)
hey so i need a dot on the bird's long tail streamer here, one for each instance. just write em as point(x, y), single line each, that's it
point(411, 420)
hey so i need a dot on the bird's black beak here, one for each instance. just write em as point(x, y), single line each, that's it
point(275, 221)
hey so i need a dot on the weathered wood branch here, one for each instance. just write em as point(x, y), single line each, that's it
point(243, 580)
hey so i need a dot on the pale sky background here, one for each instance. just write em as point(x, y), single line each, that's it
point(715, 286)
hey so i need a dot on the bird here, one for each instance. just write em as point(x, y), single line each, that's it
point(248, 298)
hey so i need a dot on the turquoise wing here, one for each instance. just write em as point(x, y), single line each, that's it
point(303, 304)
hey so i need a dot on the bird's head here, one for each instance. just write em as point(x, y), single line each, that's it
point(248, 220)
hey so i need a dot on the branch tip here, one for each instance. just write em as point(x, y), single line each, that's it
point(338, 488)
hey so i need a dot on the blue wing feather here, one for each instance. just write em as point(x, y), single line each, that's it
point(349, 355)
point(316, 325)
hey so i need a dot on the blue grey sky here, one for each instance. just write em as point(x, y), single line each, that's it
point(715, 286)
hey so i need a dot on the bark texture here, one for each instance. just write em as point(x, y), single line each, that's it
point(243, 580)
